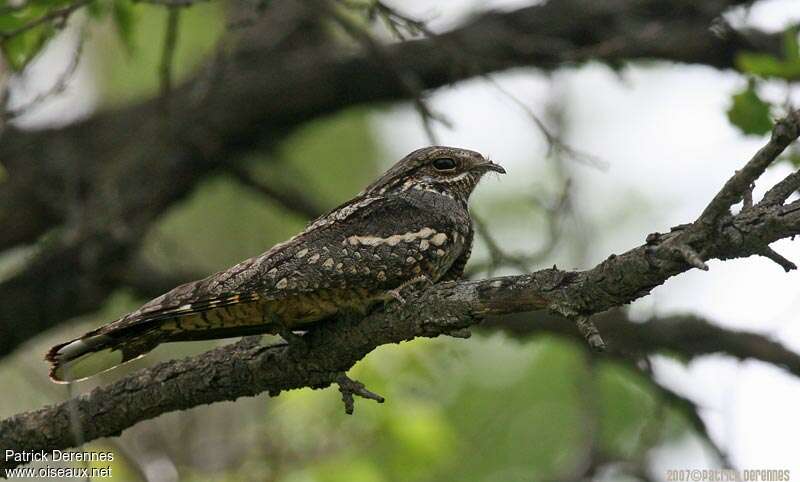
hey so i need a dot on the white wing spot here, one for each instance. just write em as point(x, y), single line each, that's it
point(313, 259)
point(302, 253)
point(282, 284)
point(328, 263)
point(439, 239)
point(392, 240)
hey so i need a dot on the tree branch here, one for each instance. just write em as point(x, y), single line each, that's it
point(287, 197)
point(686, 336)
point(247, 369)
point(243, 107)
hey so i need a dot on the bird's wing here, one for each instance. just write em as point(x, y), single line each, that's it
point(297, 262)
point(341, 260)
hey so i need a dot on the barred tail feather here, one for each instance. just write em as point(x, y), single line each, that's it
point(92, 354)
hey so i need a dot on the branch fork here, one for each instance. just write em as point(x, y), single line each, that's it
point(351, 388)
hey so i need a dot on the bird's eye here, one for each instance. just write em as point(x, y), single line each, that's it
point(444, 164)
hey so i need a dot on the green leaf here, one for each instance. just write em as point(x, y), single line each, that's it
point(124, 16)
point(749, 113)
point(13, 20)
point(25, 43)
point(97, 10)
point(766, 65)
point(20, 49)
point(763, 65)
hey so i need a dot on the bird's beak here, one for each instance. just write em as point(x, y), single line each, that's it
point(491, 166)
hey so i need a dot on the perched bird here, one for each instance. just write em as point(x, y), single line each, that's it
point(411, 225)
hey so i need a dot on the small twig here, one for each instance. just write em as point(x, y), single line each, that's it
point(59, 15)
point(497, 256)
point(408, 80)
point(739, 187)
point(57, 88)
point(168, 51)
point(590, 333)
point(781, 191)
point(7, 9)
point(286, 196)
point(687, 407)
point(688, 254)
point(349, 388)
point(428, 117)
point(395, 21)
point(747, 201)
point(784, 133)
point(554, 213)
point(554, 142)
point(777, 258)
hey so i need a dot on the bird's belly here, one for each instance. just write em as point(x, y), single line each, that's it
point(352, 285)
point(293, 310)
point(241, 314)
point(312, 306)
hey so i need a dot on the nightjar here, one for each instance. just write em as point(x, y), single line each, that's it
point(410, 225)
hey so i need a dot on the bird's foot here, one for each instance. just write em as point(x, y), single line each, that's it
point(397, 293)
point(350, 388)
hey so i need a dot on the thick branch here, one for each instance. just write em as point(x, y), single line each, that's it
point(687, 336)
point(283, 75)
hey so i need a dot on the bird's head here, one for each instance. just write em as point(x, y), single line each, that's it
point(447, 170)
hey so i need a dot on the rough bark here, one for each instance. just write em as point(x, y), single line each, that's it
point(247, 369)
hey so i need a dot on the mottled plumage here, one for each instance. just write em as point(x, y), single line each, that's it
point(411, 224)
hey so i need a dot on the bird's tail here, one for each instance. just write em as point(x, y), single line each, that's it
point(96, 352)
point(117, 343)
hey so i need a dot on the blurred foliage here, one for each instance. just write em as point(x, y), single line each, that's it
point(129, 54)
point(489, 409)
point(749, 112)
point(19, 49)
point(222, 222)
point(770, 66)
point(31, 24)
